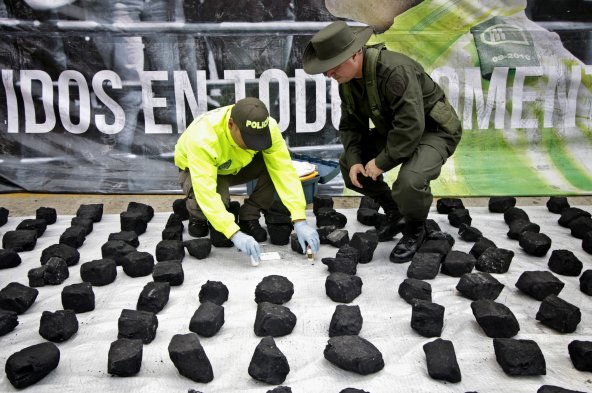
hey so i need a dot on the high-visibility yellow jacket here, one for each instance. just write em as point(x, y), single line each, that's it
point(207, 148)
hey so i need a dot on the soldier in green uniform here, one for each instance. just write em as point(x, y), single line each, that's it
point(392, 114)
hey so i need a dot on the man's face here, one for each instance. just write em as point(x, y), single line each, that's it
point(345, 71)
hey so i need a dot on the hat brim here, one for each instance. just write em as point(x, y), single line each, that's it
point(257, 142)
point(313, 65)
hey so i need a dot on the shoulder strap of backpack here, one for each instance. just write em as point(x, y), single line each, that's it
point(348, 98)
point(372, 53)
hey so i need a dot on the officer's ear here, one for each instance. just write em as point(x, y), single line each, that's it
point(358, 54)
point(235, 133)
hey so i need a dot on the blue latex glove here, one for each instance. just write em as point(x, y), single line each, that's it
point(247, 244)
point(307, 235)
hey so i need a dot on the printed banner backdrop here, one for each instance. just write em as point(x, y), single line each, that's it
point(94, 94)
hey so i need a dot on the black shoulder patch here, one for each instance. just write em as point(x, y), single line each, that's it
point(397, 84)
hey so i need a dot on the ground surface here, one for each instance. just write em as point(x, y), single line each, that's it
point(83, 358)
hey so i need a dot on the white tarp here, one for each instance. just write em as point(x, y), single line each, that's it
point(83, 363)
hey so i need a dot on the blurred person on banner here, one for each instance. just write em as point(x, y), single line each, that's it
point(310, 11)
point(413, 126)
point(233, 145)
point(44, 50)
point(524, 100)
point(249, 50)
point(129, 55)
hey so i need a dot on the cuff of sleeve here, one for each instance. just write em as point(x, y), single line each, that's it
point(354, 160)
point(298, 216)
point(384, 162)
point(231, 230)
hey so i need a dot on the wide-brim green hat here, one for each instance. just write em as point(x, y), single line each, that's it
point(333, 45)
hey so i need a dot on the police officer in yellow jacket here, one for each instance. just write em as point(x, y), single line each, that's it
point(414, 127)
point(232, 145)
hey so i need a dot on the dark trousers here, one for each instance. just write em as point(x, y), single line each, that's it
point(261, 197)
point(411, 190)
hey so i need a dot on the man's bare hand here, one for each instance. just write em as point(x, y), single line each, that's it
point(354, 171)
point(372, 170)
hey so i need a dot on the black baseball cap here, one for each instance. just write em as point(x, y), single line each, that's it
point(252, 118)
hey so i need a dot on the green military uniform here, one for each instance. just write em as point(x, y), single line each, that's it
point(416, 129)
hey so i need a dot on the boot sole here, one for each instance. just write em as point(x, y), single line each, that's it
point(198, 235)
point(401, 260)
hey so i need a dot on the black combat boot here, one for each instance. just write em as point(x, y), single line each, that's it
point(413, 237)
point(391, 226)
point(198, 228)
point(393, 222)
point(253, 228)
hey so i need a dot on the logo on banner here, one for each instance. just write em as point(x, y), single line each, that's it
point(500, 34)
point(500, 43)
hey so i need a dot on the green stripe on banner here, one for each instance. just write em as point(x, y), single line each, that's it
point(585, 130)
point(566, 164)
point(504, 173)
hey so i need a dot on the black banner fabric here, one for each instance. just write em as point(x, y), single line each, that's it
point(95, 94)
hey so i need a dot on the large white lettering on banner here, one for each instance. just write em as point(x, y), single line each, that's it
point(479, 107)
point(184, 94)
